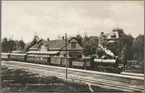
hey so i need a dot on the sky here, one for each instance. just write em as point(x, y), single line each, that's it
point(50, 19)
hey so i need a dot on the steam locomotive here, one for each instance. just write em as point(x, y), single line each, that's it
point(92, 63)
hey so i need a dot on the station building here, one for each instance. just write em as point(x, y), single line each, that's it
point(57, 47)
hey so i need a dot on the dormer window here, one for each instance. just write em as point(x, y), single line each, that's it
point(73, 45)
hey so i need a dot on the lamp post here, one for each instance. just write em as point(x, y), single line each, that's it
point(66, 53)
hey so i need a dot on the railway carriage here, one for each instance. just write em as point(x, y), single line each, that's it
point(69, 61)
point(18, 56)
point(13, 56)
point(55, 60)
point(38, 57)
point(5, 56)
point(21, 57)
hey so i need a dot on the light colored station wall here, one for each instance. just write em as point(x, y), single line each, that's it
point(78, 47)
point(43, 48)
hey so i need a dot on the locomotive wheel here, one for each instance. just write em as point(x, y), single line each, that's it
point(98, 69)
point(118, 70)
point(103, 69)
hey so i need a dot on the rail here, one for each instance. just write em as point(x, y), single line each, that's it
point(108, 80)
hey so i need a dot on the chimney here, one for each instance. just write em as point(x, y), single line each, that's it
point(63, 38)
point(102, 33)
point(47, 39)
point(117, 29)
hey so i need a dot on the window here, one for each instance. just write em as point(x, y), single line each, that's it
point(73, 45)
point(43, 48)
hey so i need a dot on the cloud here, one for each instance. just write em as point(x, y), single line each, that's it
point(50, 19)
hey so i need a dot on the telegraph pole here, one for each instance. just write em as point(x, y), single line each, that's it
point(66, 53)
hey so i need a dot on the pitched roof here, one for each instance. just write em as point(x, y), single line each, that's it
point(36, 46)
point(52, 44)
point(93, 40)
point(55, 44)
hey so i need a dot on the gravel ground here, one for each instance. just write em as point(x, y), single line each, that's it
point(14, 80)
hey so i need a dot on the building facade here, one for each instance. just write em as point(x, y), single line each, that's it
point(57, 47)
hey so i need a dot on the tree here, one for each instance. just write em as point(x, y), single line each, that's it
point(85, 39)
point(124, 55)
point(12, 45)
point(87, 50)
point(127, 42)
point(5, 45)
point(34, 41)
point(79, 39)
point(8, 45)
point(21, 45)
point(138, 47)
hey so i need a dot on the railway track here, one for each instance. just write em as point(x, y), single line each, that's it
point(133, 74)
point(107, 80)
